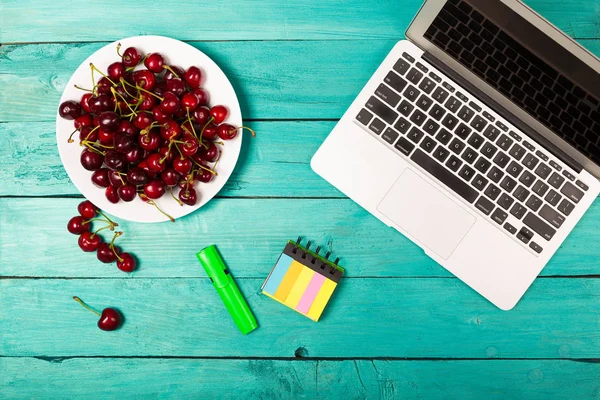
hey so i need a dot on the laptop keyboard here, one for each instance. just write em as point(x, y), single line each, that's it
point(489, 52)
point(507, 178)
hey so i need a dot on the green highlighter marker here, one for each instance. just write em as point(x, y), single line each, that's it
point(228, 291)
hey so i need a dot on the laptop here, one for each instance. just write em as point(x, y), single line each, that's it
point(478, 138)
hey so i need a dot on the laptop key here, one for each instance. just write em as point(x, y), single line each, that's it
point(469, 155)
point(517, 151)
point(556, 180)
point(395, 81)
point(484, 205)
point(401, 66)
point(508, 184)
point(364, 117)
point(402, 125)
point(404, 146)
point(566, 207)
point(539, 226)
point(535, 247)
point(431, 127)
point(553, 197)
point(553, 217)
point(450, 121)
point(424, 102)
point(525, 235)
point(521, 193)
point(457, 146)
point(390, 135)
point(418, 117)
point(505, 201)
point(530, 161)
point(444, 136)
point(443, 175)
point(511, 229)
point(478, 123)
point(453, 163)
point(415, 135)
point(514, 169)
point(462, 131)
point(405, 108)
point(440, 95)
point(518, 211)
point(499, 216)
point(527, 179)
point(501, 159)
point(427, 85)
point(495, 174)
point(475, 140)
point(543, 171)
point(377, 126)
point(504, 142)
point(466, 173)
point(411, 93)
point(437, 112)
point(453, 104)
point(582, 185)
point(381, 110)
point(572, 192)
point(488, 150)
point(482, 165)
point(491, 132)
point(414, 76)
point(428, 144)
point(534, 202)
point(466, 114)
point(479, 182)
point(441, 153)
point(540, 188)
point(492, 191)
point(388, 95)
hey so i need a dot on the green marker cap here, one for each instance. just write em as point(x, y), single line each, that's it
point(227, 289)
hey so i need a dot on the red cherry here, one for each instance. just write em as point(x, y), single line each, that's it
point(190, 101)
point(170, 177)
point(110, 319)
point(211, 153)
point(204, 176)
point(190, 147)
point(144, 78)
point(69, 110)
point(159, 115)
point(103, 86)
point(131, 57)
point(112, 195)
point(170, 104)
point(134, 155)
point(167, 153)
point(148, 102)
point(100, 177)
point(137, 176)
point(84, 120)
point(176, 86)
point(142, 120)
point(87, 209)
point(201, 115)
point(91, 160)
point(127, 192)
point(202, 96)
point(170, 130)
point(127, 263)
point(155, 163)
point(210, 132)
point(89, 241)
point(182, 165)
point(116, 70)
point(105, 137)
point(193, 77)
point(127, 128)
point(85, 102)
point(154, 189)
point(219, 114)
point(227, 132)
point(149, 141)
point(100, 103)
point(188, 196)
point(106, 254)
point(169, 73)
point(154, 62)
point(77, 225)
point(115, 179)
point(88, 133)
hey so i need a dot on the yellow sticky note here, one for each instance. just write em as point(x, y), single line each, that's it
point(299, 287)
point(321, 300)
point(288, 281)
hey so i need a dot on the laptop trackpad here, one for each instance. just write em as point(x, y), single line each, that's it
point(427, 214)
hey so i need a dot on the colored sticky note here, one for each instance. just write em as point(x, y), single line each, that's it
point(288, 281)
point(321, 300)
point(299, 287)
point(310, 294)
point(279, 271)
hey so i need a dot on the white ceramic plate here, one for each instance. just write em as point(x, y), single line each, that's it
point(175, 53)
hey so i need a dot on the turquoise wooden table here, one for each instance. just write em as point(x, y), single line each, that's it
point(399, 326)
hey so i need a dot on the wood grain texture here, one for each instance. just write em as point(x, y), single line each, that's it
point(250, 233)
point(30, 164)
point(366, 317)
point(279, 379)
point(273, 80)
point(237, 19)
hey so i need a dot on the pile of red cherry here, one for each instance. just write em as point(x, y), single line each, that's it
point(90, 241)
point(146, 130)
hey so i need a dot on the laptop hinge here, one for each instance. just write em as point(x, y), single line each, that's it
point(484, 98)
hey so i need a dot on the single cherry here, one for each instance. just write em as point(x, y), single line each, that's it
point(170, 177)
point(182, 165)
point(159, 115)
point(100, 177)
point(100, 103)
point(219, 114)
point(210, 132)
point(91, 160)
point(173, 72)
point(106, 254)
point(116, 70)
point(105, 137)
point(154, 62)
point(134, 155)
point(89, 241)
point(137, 176)
point(112, 195)
point(202, 96)
point(127, 128)
point(190, 146)
point(155, 162)
point(127, 193)
point(211, 153)
point(144, 79)
point(85, 102)
point(189, 101)
point(201, 115)
point(88, 133)
point(84, 120)
point(77, 225)
point(176, 86)
point(126, 262)
point(188, 196)
point(131, 57)
point(142, 120)
point(114, 160)
point(148, 102)
point(87, 209)
point(154, 189)
point(69, 109)
point(193, 77)
point(123, 143)
point(170, 103)
point(149, 141)
point(110, 319)
point(227, 132)
point(115, 179)
point(170, 130)
point(104, 85)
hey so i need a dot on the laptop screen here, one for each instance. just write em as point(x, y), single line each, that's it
point(526, 66)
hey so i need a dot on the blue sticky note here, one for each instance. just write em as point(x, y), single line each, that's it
point(277, 274)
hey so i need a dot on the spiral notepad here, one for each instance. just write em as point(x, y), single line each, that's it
point(303, 280)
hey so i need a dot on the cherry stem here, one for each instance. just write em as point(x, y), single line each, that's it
point(77, 299)
point(203, 167)
point(112, 245)
point(175, 198)
point(152, 203)
point(86, 142)
point(204, 127)
point(187, 109)
point(103, 74)
point(217, 160)
point(70, 139)
point(101, 229)
point(92, 148)
point(245, 127)
point(171, 70)
point(119, 48)
point(179, 150)
point(149, 92)
point(124, 88)
point(105, 216)
point(115, 93)
point(95, 219)
point(84, 89)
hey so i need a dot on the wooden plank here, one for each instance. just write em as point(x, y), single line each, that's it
point(367, 317)
point(382, 379)
point(250, 233)
point(306, 79)
point(273, 80)
point(30, 165)
point(238, 19)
